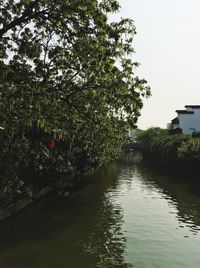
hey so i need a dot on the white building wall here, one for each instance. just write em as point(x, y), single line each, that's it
point(185, 123)
point(190, 122)
point(196, 120)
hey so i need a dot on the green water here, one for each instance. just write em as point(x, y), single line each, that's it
point(127, 215)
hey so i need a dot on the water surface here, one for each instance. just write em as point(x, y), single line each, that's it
point(127, 215)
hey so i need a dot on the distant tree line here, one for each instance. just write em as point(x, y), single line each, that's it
point(173, 149)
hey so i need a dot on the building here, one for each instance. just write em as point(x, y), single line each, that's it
point(187, 121)
point(132, 134)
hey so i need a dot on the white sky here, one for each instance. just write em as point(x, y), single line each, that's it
point(168, 47)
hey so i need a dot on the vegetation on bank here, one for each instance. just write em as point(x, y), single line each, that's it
point(175, 149)
point(68, 92)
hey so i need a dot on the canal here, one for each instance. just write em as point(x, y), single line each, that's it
point(127, 215)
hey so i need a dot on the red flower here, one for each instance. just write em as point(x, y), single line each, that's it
point(51, 144)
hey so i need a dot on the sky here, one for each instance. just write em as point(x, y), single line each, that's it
point(167, 46)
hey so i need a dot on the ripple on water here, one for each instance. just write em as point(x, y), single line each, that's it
point(129, 216)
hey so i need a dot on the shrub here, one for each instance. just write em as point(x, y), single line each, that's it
point(166, 147)
point(161, 145)
point(146, 138)
point(189, 151)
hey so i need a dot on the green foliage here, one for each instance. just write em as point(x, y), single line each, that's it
point(189, 151)
point(161, 145)
point(147, 138)
point(67, 71)
point(166, 147)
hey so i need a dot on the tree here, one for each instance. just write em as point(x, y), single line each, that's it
point(67, 71)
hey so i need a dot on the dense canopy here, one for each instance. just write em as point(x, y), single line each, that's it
point(67, 73)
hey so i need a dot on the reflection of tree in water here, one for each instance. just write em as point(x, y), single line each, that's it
point(181, 190)
point(83, 230)
point(106, 244)
point(188, 210)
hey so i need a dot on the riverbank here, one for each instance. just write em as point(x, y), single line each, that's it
point(19, 200)
point(179, 152)
point(23, 203)
point(171, 168)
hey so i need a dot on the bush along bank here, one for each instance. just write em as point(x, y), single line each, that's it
point(174, 150)
point(33, 163)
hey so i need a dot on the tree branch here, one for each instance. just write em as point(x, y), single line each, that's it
point(25, 17)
